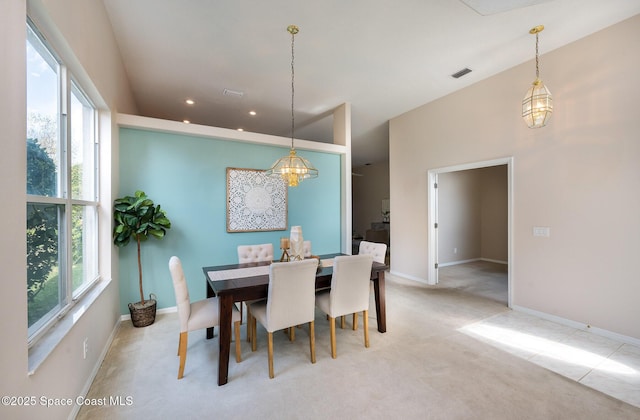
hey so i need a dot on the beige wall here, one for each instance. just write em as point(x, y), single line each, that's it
point(472, 215)
point(579, 176)
point(91, 54)
point(368, 192)
point(82, 34)
point(13, 351)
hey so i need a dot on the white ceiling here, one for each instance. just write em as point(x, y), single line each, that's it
point(384, 57)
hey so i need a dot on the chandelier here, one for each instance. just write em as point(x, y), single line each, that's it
point(292, 168)
point(537, 104)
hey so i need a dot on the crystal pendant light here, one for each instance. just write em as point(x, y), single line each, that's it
point(537, 104)
point(292, 168)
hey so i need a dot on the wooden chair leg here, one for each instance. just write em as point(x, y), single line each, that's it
point(253, 334)
point(238, 339)
point(292, 333)
point(342, 324)
point(270, 353)
point(312, 340)
point(355, 321)
point(249, 317)
point(332, 332)
point(365, 322)
point(182, 352)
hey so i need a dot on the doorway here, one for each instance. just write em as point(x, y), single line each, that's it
point(450, 241)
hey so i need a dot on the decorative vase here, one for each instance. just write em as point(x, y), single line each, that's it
point(296, 243)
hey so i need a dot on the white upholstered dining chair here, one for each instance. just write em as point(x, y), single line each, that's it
point(378, 251)
point(196, 315)
point(255, 253)
point(290, 302)
point(349, 293)
point(375, 249)
point(249, 254)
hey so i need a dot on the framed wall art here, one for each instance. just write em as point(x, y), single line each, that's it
point(255, 202)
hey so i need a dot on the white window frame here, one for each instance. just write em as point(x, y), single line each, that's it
point(64, 198)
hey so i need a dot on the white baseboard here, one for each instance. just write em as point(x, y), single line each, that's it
point(447, 264)
point(494, 261)
point(408, 277)
point(580, 326)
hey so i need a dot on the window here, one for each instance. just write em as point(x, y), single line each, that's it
point(62, 203)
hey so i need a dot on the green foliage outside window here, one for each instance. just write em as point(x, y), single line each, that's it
point(41, 170)
point(42, 220)
point(76, 217)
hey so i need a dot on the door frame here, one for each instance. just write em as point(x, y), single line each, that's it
point(432, 216)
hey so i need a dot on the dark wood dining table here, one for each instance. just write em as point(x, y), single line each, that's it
point(243, 282)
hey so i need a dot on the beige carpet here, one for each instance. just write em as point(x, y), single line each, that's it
point(422, 368)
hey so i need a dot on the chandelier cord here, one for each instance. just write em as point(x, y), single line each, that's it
point(292, 88)
point(293, 169)
point(537, 65)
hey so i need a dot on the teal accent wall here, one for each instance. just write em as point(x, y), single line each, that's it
point(186, 175)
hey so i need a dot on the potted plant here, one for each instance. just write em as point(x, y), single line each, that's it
point(138, 218)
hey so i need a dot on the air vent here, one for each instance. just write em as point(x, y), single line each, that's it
point(233, 93)
point(461, 73)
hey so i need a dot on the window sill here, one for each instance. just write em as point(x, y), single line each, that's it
point(39, 352)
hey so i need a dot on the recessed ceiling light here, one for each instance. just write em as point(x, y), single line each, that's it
point(189, 101)
point(240, 129)
point(253, 113)
point(186, 121)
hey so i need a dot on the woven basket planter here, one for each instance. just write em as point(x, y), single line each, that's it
point(143, 315)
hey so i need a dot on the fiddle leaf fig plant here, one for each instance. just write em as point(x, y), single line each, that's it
point(138, 218)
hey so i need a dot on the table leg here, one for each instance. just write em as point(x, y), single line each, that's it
point(226, 304)
point(210, 293)
point(381, 310)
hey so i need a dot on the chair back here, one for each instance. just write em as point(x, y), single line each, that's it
point(377, 250)
point(182, 292)
point(255, 253)
point(350, 284)
point(292, 294)
point(306, 247)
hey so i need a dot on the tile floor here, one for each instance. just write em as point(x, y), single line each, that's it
point(609, 366)
point(598, 362)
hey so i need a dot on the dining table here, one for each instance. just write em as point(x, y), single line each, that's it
point(250, 281)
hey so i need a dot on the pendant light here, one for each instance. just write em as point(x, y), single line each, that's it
point(292, 168)
point(537, 104)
